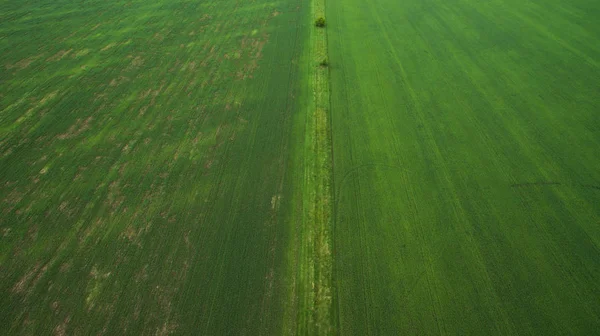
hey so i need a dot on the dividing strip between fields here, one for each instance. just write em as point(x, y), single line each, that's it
point(316, 312)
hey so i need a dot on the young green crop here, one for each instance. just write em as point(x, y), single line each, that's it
point(466, 166)
point(146, 156)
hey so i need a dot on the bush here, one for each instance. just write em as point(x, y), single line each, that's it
point(320, 22)
point(324, 62)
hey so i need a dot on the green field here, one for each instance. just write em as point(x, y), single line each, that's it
point(187, 167)
point(145, 157)
point(467, 166)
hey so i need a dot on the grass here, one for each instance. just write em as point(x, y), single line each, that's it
point(145, 151)
point(184, 167)
point(466, 177)
point(315, 277)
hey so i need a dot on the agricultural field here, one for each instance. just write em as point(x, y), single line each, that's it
point(227, 168)
point(146, 156)
point(466, 142)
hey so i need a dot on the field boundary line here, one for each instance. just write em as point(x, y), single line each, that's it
point(315, 316)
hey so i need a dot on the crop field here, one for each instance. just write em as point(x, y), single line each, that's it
point(227, 168)
point(145, 153)
point(466, 142)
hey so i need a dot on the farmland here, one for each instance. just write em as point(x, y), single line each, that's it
point(146, 150)
point(467, 181)
point(196, 167)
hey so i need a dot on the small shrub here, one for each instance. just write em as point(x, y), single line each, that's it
point(324, 63)
point(320, 22)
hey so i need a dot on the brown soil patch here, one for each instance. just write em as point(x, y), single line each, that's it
point(132, 235)
point(114, 198)
point(87, 233)
point(145, 94)
point(168, 328)
point(108, 46)
point(61, 329)
point(209, 164)
point(82, 53)
point(137, 61)
point(120, 80)
point(5, 232)
point(76, 129)
point(143, 111)
point(186, 239)
point(59, 55)
point(55, 306)
point(20, 285)
point(197, 138)
point(40, 274)
point(129, 233)
point(65, 267)
point(141, 275)
point(22, 64)
point(13, 198)
point(275, 201)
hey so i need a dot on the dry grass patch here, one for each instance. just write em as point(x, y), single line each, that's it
point(108, 46)
point(61, 329)
point(76, 129)
point(82, 53)
point(22, 64)
point(23, 282)
point(59, 55)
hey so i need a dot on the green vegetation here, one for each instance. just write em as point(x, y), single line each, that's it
point(315, 278)
point(186, 167)
point(466, 166)
point(320, 22)
point(146, 153)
